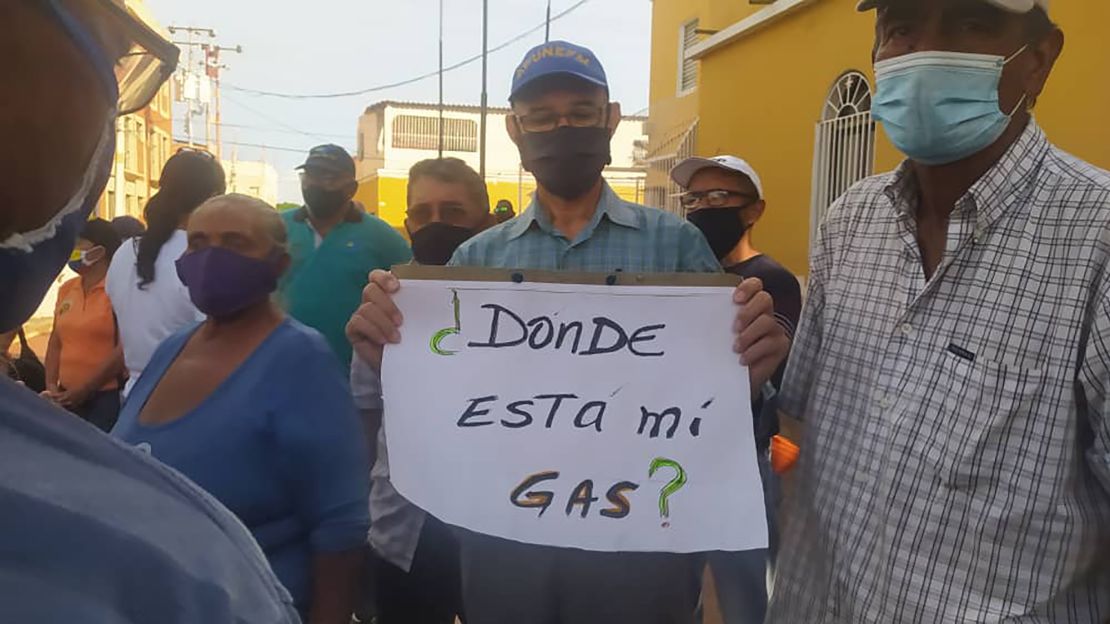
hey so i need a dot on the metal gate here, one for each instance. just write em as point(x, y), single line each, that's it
point(844, 148)
point(666, 196)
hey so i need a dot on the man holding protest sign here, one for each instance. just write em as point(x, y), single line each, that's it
point(562, 122)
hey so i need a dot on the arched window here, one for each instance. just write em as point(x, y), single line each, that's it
point(844, 152)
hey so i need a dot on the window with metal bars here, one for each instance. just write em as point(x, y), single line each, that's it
point(844, 152)
point(687, 68)
point(422, 133)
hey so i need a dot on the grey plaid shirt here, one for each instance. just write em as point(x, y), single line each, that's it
point(956, 455)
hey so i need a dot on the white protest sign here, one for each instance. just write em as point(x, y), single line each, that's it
point(607, 418)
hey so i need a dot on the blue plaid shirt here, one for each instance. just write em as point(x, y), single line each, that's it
point(621, 235)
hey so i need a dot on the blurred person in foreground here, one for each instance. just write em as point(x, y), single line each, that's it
point(952, 367)
point(723, 196)
point(334, 244)
point(148, 298)
point(416, 557)
point(92, 530)
point(25, 368)
point(563, 121)
point(252, 406)
point(84, 362)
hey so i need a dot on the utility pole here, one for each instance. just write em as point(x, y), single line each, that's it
point(441, 78)
point(547, 30)
point(188, 73)
point(485, 94)
point(195, 71)
point(212, 70)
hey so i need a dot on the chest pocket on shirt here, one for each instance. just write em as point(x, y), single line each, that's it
point(990, 434)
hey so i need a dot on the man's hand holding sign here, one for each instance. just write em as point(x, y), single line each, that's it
point(624, 426)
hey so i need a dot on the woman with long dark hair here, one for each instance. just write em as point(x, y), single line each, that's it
point(149, 299)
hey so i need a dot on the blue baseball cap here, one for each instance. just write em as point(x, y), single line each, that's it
point(558, 58)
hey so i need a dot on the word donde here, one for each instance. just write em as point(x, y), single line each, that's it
point(507, 329)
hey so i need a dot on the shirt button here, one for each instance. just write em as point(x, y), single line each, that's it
point(907, 329)
point(885, 402)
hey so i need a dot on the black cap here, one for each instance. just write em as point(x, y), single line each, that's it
point(330, 158)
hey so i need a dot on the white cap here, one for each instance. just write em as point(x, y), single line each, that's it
point(685, 170)
point(1013, 6)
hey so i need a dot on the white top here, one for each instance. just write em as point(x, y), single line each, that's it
point(149, 316)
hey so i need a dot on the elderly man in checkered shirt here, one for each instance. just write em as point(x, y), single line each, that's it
point(952, 366)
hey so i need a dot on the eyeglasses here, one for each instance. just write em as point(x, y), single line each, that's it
point(716, 198)
point(578, 117)
point(124, 49)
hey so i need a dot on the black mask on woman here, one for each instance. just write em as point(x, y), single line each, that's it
point(722, 227)
point(435, 243)
point(323, 203)
point(566, 161)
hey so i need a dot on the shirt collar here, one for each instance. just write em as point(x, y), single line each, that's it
point(609, 206)
point(354, 215)
point(992, 195)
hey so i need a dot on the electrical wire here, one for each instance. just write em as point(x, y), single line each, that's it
point(402, 83)
point(298, 150)
point(273, 119)
point(282, 130)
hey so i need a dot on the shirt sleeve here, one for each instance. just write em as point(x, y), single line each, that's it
point(695, 256)
point(1094, 380)
point(324, 455)
point(394, 248)
point(787, 293)
point(804, 362)
point(366, 385)
point(464, 255)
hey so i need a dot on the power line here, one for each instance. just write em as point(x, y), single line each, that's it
point(402, 83)
point(280, 130)
point(276, 120)
point(298, 150)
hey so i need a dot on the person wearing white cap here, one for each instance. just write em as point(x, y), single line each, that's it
point(951, 370)
point(723, 196)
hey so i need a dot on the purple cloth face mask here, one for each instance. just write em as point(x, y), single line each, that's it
point(222, 282)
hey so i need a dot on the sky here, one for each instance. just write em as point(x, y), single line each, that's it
point(335, 46)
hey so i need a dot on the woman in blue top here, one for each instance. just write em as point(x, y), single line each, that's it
point(254, 408)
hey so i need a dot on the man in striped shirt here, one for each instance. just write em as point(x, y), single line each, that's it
point(952, 365)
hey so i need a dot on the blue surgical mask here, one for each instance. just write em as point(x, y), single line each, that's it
point(941, 107)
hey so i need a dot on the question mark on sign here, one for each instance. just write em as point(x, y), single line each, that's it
point(673, 486)
point(450, 331)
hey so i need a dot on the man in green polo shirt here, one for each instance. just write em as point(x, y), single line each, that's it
point(334, 245)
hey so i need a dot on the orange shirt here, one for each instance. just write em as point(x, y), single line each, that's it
point(86, 331)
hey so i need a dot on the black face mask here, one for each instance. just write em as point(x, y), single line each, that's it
point(722, 227)
point(435, 243)
point(322, 203)
point(567, 162)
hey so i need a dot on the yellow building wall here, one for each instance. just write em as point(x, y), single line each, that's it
point(668, 111)
point(1077, 98)
point(761, 98)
